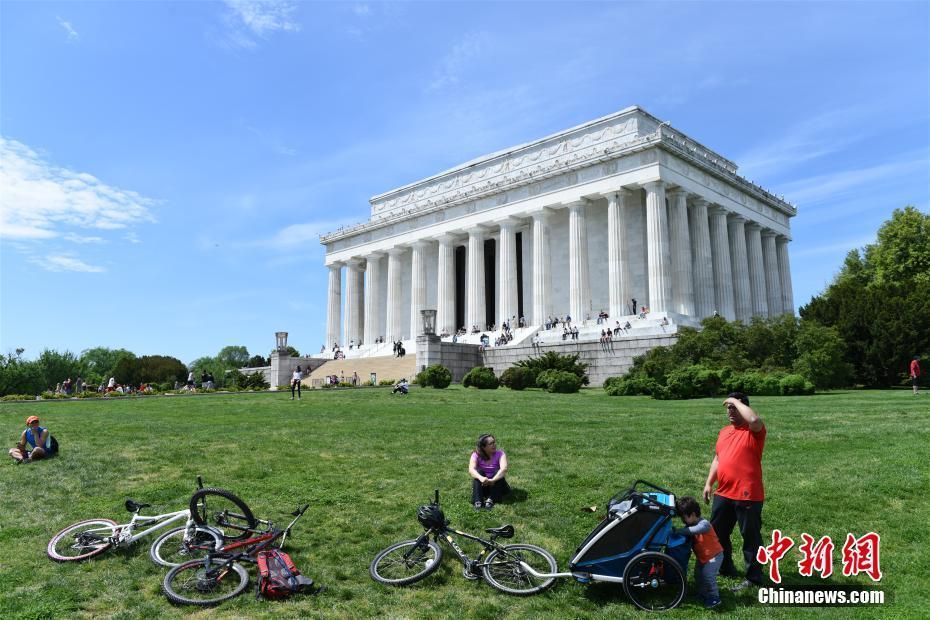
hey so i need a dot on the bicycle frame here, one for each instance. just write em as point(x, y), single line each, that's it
point(125, 533)
point(254, 545)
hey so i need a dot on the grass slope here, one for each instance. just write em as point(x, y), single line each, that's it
point(835, 463)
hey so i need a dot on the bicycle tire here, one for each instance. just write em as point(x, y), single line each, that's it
point(383, 564)
point(54, 549)
point(654, 581)
point(185, 581)
point(200, 513)
point(502, 569)
point(169, 546)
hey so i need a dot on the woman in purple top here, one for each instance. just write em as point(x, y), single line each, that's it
point(487, 467)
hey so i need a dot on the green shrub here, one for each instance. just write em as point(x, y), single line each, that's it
point(631, 385)
point(482, 378)
point(563, 382)
point(553, 361)
point(17, 397)
point(543, 378)
point(436, 376)
point(517, 378)
point(387, 382)
point(795, 385)
point(755, 382)
point(693, 381)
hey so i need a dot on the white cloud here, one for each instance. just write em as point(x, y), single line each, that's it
point(82, 239)
point(361, 10)
point(247, 19)
point(449, 72)
point(41, 201)
point(132, 237)
point(65, 263)
point(810, 139)
point(72, 33)
point(833, 187)
point(831, 248)
point(309, 232)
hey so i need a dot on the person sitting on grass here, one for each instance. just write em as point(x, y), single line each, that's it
point(487, 467)
point(401, 386)
point(707, 549)
point(36, 437)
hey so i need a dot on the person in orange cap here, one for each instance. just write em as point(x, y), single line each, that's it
point(35, 437)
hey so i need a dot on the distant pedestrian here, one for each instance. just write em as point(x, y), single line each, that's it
point(296, 379)
point(915, 373)
point(633, 306)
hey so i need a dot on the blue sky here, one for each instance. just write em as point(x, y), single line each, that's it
point(167, 166)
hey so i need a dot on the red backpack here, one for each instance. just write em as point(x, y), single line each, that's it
point(278, 577)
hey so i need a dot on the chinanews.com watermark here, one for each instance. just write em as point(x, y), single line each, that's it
point(820, 596)
point(859, 555)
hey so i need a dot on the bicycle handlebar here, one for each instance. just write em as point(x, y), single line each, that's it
point(437, 497)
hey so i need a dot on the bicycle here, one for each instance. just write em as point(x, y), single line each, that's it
point(207, 581)
point(212, 517)
point(502, 566)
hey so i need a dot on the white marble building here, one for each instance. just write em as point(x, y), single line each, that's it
point(581, 221)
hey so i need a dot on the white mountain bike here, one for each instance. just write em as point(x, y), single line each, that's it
point(212, 517)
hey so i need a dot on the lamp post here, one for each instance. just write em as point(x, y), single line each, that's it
point(429, 322)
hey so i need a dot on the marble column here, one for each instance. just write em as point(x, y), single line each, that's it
point(372, 298)
point(475, 314)
point(618, 253)
point(334, 305)
point(659, 255)
point(723, 273)
point(784, 273)
point(680, 241)
point(507, 272)
point(417, 286)
point(394, 327)
point(578, 284)
point(355, 289)
point(701, 259)
point(445, 286)
point(739, 260)
point(541, 278)
point(760, 303)
point(772, 279)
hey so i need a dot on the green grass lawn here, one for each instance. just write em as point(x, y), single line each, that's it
point(834, 463)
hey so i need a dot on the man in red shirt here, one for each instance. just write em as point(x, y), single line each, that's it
point(737, 470)
point(915, 373)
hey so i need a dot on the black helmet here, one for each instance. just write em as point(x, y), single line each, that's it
point(431, 516)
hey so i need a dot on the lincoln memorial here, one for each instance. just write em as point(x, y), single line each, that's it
point(575, 224)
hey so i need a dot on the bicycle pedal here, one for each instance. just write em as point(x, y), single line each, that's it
point(470, 575)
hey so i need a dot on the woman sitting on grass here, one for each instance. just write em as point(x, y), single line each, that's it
point(35, 443)
point(487, 467)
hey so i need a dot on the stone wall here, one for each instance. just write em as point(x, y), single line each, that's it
point(458, 358)
point(603, 361)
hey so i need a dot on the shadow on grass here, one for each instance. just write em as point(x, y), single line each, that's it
point(515, 496)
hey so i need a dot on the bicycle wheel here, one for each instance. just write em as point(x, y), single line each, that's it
point(193, 583)
point(221, 509)
point(172, 547)
point(406, 562)
point(502, 569)
point(654, 581)
point(82, 540)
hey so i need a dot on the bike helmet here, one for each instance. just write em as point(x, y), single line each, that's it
point(431, 516)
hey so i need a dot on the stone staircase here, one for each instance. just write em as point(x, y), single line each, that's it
point(385, 366)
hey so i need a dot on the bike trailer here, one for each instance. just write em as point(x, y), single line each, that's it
point(636, 522)
point(278, 577)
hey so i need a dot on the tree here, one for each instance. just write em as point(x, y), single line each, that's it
point(56, 367)
point(19, 376)
point(99, 362)
point(879, 303)
point(233, 356)
point(822, 356)
point(257, 360)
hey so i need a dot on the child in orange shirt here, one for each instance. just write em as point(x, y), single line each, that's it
point(707, 549)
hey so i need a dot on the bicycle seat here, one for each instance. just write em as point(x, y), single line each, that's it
point(504, 531)
point(134, 506)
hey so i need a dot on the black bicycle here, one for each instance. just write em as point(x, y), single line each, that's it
point(502, 566)
point(220, 576)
